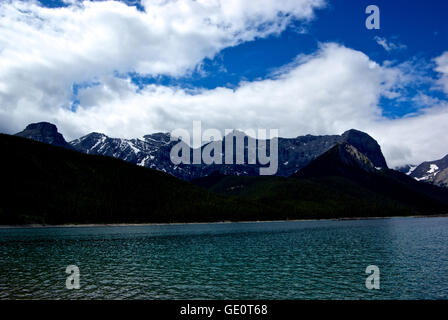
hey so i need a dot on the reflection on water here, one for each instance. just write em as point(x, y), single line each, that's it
point(274, 260)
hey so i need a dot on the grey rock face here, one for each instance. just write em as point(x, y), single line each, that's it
point(342, 159)
point(44, 132)
point(350, 156)
point(366, 145)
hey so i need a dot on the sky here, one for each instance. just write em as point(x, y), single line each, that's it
point(130, 68)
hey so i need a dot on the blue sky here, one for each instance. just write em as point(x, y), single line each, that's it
point(303, 66)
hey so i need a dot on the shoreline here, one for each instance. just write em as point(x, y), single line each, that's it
point(93, 225)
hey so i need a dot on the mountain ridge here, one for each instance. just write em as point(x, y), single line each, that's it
point(153, 151)
point(433, 172)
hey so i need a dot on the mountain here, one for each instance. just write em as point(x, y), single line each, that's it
point(44, 132)
point(343, 159)
point(347, 163)
point(341, 182)
point(153, 151)
point(435, 172)
point(51, 185)
point(366, 145)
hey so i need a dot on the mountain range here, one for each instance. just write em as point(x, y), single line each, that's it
point(338, 177)
point(153, 151)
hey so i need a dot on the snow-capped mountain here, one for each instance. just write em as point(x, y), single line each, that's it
point(435, 172)
point(153, 151)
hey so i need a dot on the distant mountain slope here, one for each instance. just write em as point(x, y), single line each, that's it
point(45, 184)
point(153, 151)
point(342, 182)
point(345, 161)
point(435, 172)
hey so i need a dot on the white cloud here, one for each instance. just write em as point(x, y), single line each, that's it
point(412, 140)
point(44, 51)
point(332, 90)
point(389, 45)
point(442, 67)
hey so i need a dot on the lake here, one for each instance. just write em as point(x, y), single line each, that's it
point(260, 260)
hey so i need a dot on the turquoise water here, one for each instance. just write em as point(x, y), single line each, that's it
point(273, 260)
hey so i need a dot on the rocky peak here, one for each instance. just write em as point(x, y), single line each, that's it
point(158, 137)
point(435, 172)
point(366, 145)
point(44, 132)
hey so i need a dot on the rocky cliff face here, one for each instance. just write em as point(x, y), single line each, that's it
point(366, 145)
point(44, 132)
point(342, 159)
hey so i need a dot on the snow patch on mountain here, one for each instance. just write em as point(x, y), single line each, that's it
point(433, 168)
point(411, 169)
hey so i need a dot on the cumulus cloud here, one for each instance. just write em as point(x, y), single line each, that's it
point(332, 90)
point(43, 52)
point(414, 139)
